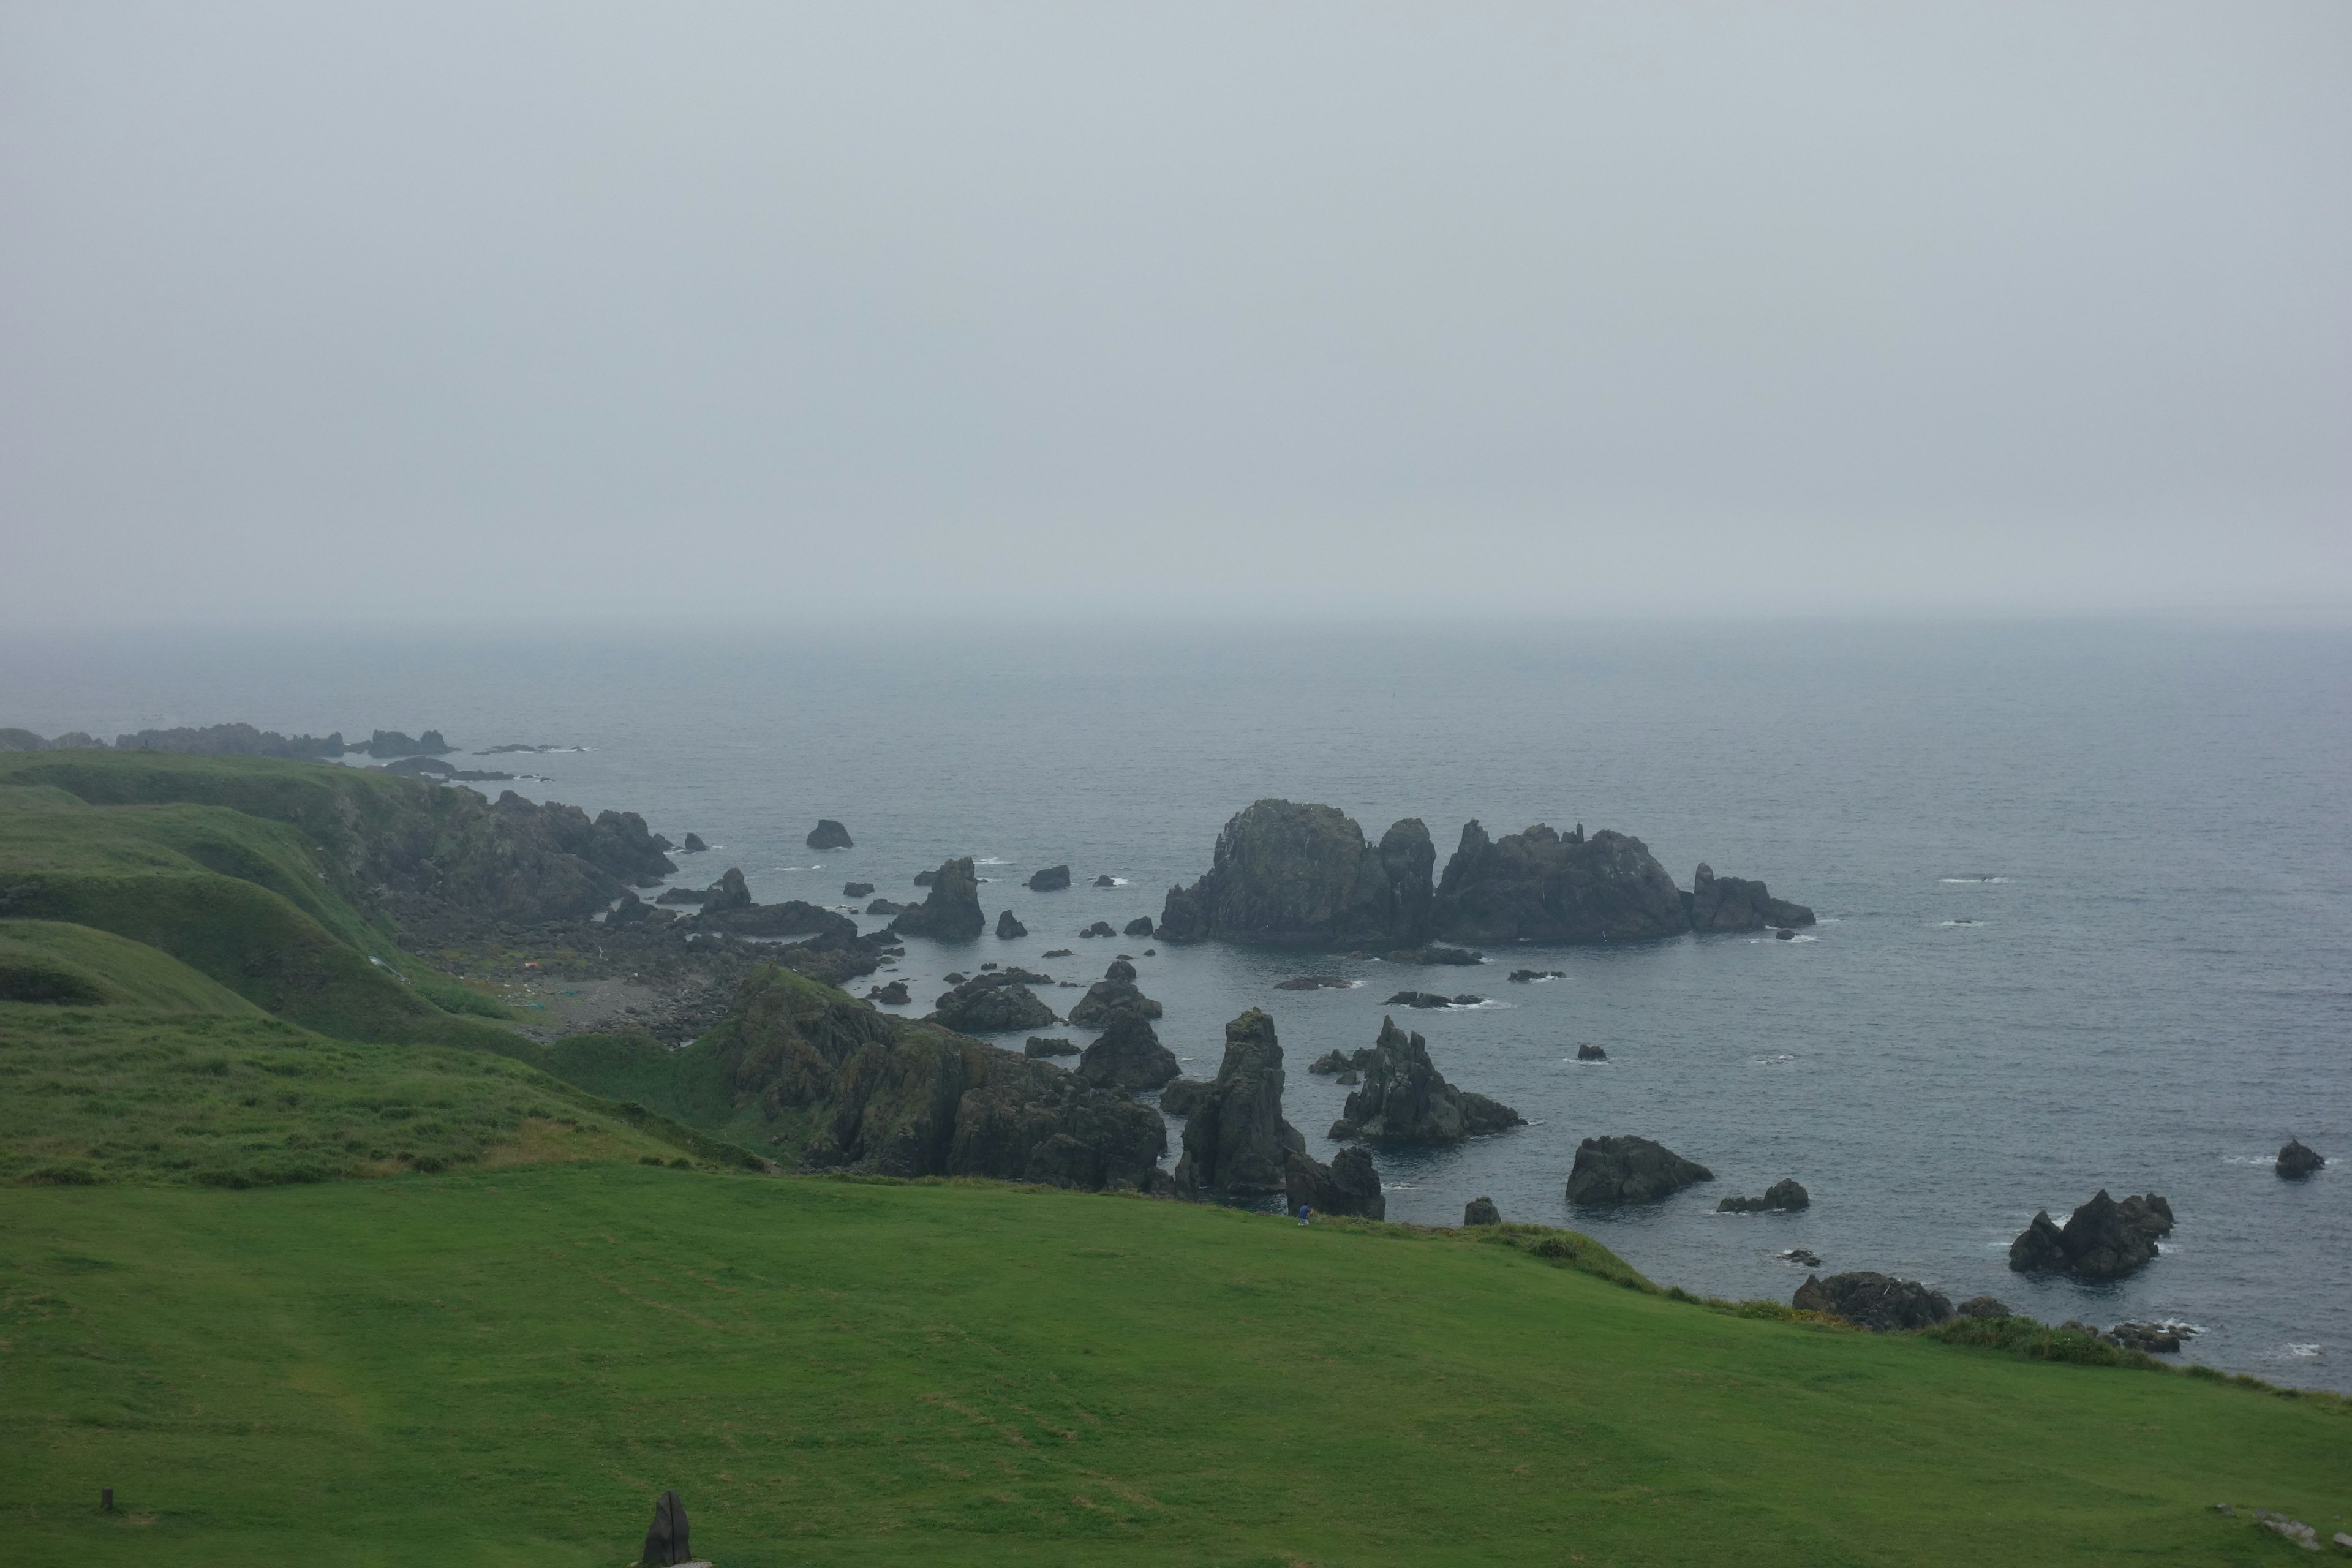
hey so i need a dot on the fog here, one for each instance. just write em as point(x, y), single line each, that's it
point(884, 311)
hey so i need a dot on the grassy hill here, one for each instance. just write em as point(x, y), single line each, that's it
point(504, 1367)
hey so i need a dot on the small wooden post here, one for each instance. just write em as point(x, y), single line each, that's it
point(106, 1499)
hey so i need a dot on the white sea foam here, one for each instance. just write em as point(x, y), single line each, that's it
point(1120, 882)
point(2304, 1351)
point(1949, 923)
point(817, 867)
point(992, 861)
point(1474, 1006)
point(1777, 1060)
point(1972, 882)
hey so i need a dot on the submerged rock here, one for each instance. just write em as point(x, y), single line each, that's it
point(1783, 1196)
point(1481, 1211)
point(2103, 1240)
point(1283, 872)
point(1629, 1171)
point(1522, 977)
point(1039, 1045)
point(952, 911)
point(1059, 953)
point(1734, 903)
point(2294, 1160)
point(1007, 927)
point(1405, 1100)
point(1876, 1301)
point(990, 1005)
point(829, 835)
point(1127, 1054)
point(1050, 879)
point(1236, 1141)
point(1347, 1185)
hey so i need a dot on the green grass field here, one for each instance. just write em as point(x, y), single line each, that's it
point(505, 1367)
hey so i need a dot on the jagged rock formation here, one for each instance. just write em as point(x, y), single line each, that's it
point(2296, 1162)
point(897, 1098)
point(1588, 1052)
point(1347, 1185)
point(222, 741)
point(1336, 1060)
point(1007, 928)
point(727, 906)
point(991, 1003)
point(1629, 1171)
point(1536, 886)
point(1115, 992)
point(950, 912)
point(1783, 1196)
point(1051, 880)
point(1128, 1055)
point(1283, 872)
point(1236, 1141)
point(694, 845)
point(2103, 1240)
point(631, 911)
point(1872, 1301)
point(1405, 1100)
point(1735, 903)
point(1183, 1095)
point(829, 835)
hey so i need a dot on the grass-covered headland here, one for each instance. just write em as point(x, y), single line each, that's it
point(311, 1259)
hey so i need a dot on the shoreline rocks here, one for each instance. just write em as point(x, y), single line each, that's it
point(2103, 1240)
point(1236, 1141)
point(1876, 1301)
point(1183, 1095)
point(1626, 1170)
point(1405, 1100)
point(1784, 1196)
point(1736, 904)
point(1347, 1185)
point(1983, 1306)
point(1481, 1211)
point(992, 1005)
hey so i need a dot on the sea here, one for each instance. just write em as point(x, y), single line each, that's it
point(2084, 887)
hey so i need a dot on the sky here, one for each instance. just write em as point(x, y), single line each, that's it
point(887, 311)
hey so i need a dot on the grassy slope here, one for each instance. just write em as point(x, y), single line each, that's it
point(505, 1367)
point(243, 900)
point(112, 970)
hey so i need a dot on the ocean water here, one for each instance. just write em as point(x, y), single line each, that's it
point(2085, 889)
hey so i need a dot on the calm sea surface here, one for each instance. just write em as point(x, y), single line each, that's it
point(2085, 890)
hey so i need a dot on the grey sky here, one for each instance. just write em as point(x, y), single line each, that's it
point(882, 309)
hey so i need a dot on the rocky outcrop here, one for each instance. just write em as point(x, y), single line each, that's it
point(1039, 1045)
point(631, 911)
point(893, 1097)
point(1983, 1306)
point(1481, 1211)
point(1336, 1060)
point(990, 1005)
point(1183, 1095)
point(1007, 928)
point(2103, 1240)
point(1405, 1100)
point(1051, 880)
point(1734, 903)
point(950, 912)
point(1436, 953)
point(1116, 992)
point(2149, 1338)
point(1610, 1171)
point(1237, 1142)
point(1283, 872)
point(829, 835)
point(1537, 885)
point(1875, 1302)
point(1101, 928)
point(1588, 1052)
point(1783, 1196)
point(2295, 1162)
point(886, 907)
point(1106, 880)
point(792, 918)
point(1527, 976)
point(219, 741)
point(858, 889)
point(1140, 926)
point(1430, 999)
point(694, 845)
point(1128, 1055)
point(894, 994)
point(1347, 1185)
point(1314, 983)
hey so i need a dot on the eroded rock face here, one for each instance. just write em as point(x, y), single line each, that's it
point(1629, 1171)
point(829, 835)
point(1050, 879)
point(1236, 1141)
point(1128, 1055)
point(1536, 886)
point(1348, 1185)
point(1734, 903)
point(951, 911)
point(1876, 1301)
point(1781, 1196)
point(990, 1005)
point(1481, 1211)
point(1405, 1100)
point(1283, 872)
point(1007, 928)
point(2295, 1162)
point(2103, 1240)
point(899, 1098)
point(1115, 992)
point(1183, 1095)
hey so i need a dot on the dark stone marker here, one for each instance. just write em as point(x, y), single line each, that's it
point(665, 1540)
point(106, 1499)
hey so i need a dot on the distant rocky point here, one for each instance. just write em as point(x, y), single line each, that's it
point(1285, 873)
point(1049, 879)
point(1610, 1171)
point(1878, 1302)
point(1236, 1141)
point(829, 835)
point(1405, 1100)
